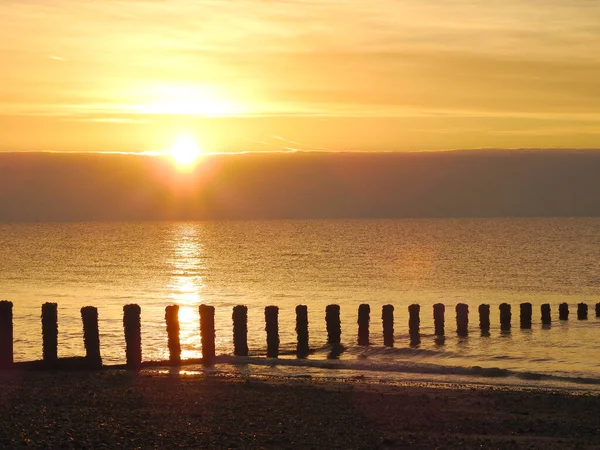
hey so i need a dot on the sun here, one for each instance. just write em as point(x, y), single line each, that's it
point(185, 152)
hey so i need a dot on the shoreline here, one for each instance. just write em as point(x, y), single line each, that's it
point(117, 408)
point(335, 370)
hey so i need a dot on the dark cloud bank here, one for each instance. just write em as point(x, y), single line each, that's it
point(80, 187)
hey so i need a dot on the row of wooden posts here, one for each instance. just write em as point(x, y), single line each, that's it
point(133, 341)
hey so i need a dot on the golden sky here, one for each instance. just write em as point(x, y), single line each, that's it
point(316, 75)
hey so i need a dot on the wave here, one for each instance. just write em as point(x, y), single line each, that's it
point(394, 352)
point(408, 367)
point(295, 254)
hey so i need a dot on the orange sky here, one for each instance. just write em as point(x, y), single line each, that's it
point(318, 75)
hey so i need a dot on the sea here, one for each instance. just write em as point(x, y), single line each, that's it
point(317, 263)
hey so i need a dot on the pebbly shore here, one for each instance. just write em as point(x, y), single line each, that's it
point(120, 409)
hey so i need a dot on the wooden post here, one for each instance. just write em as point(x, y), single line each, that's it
point(172, 320)
point(438, 318)
point(6, 334)
point(414, 321)
point(484, 318)
point(462, 319)
point(302, 347)
point(50, 332)
point(207, 332)
point(272, 329)
point(505, 316)
point(582, 311)
point(525, 317)
point(240, 330)
point(546, 314)
point(334, 325)
point(387, 316)
point(364, 312)
point(91, 336)
point(133, 335)
point(563, 311)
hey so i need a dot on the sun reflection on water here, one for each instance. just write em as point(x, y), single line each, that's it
point(186, 285)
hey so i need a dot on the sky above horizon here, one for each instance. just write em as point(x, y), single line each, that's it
point(313, 75)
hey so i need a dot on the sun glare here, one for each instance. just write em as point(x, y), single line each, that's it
point(185, 152)
point(186, 99)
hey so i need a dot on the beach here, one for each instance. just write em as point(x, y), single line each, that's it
point(121, 409)
point(300, 224)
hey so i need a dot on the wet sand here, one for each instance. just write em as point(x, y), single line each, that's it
point(117, 409)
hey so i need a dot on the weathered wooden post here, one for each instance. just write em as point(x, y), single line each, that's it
point(272, 329)
point(364, 312)
point(414, 321)
point(91, 336)
point(133, 335)
point(387, 316)
point(484, 318)
point(582, 311)
point(6, 334)
point(240, 330)
point(334, 325)
point(597, 309)
point(207, 332)
point(414, 324)
point(563, 311)
point(525, 317)
point(462, 319)
point(438, 318)
point(505, 316)
point(50, 332)
point(172, 319)
point(302, 348)
point(546, 314)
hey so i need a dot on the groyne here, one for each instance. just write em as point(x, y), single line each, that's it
point(132, 327)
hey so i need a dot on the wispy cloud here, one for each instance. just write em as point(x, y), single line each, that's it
point(345, 58)
point(117, 120)
point(288, 46)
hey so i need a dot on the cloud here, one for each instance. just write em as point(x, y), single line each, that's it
point(486, 183)
point(347, 58)
point(117, 120)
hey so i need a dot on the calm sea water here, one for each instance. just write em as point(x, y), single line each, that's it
point(316, 263)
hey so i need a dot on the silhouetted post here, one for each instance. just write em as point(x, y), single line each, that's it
point(414, 324)
point(133, 335)
point(91, 336)
point(240, 330)
point(546, 314)
point(364, 312)
point(505, 316)
point(50, 332)
point(172, 319)
point(563, 311)
point(582, 311)
point(334, 325)
point(438, 318)
point(387, 315)
point(272, 329)
point(597, 309)
point(6, 334)
point(207, 332)
point(302, 348)
point(462, 319)
point(484, 318)
point(526, 313)
point(414, 321)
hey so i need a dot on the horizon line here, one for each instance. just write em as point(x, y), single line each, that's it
point(166, 153)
